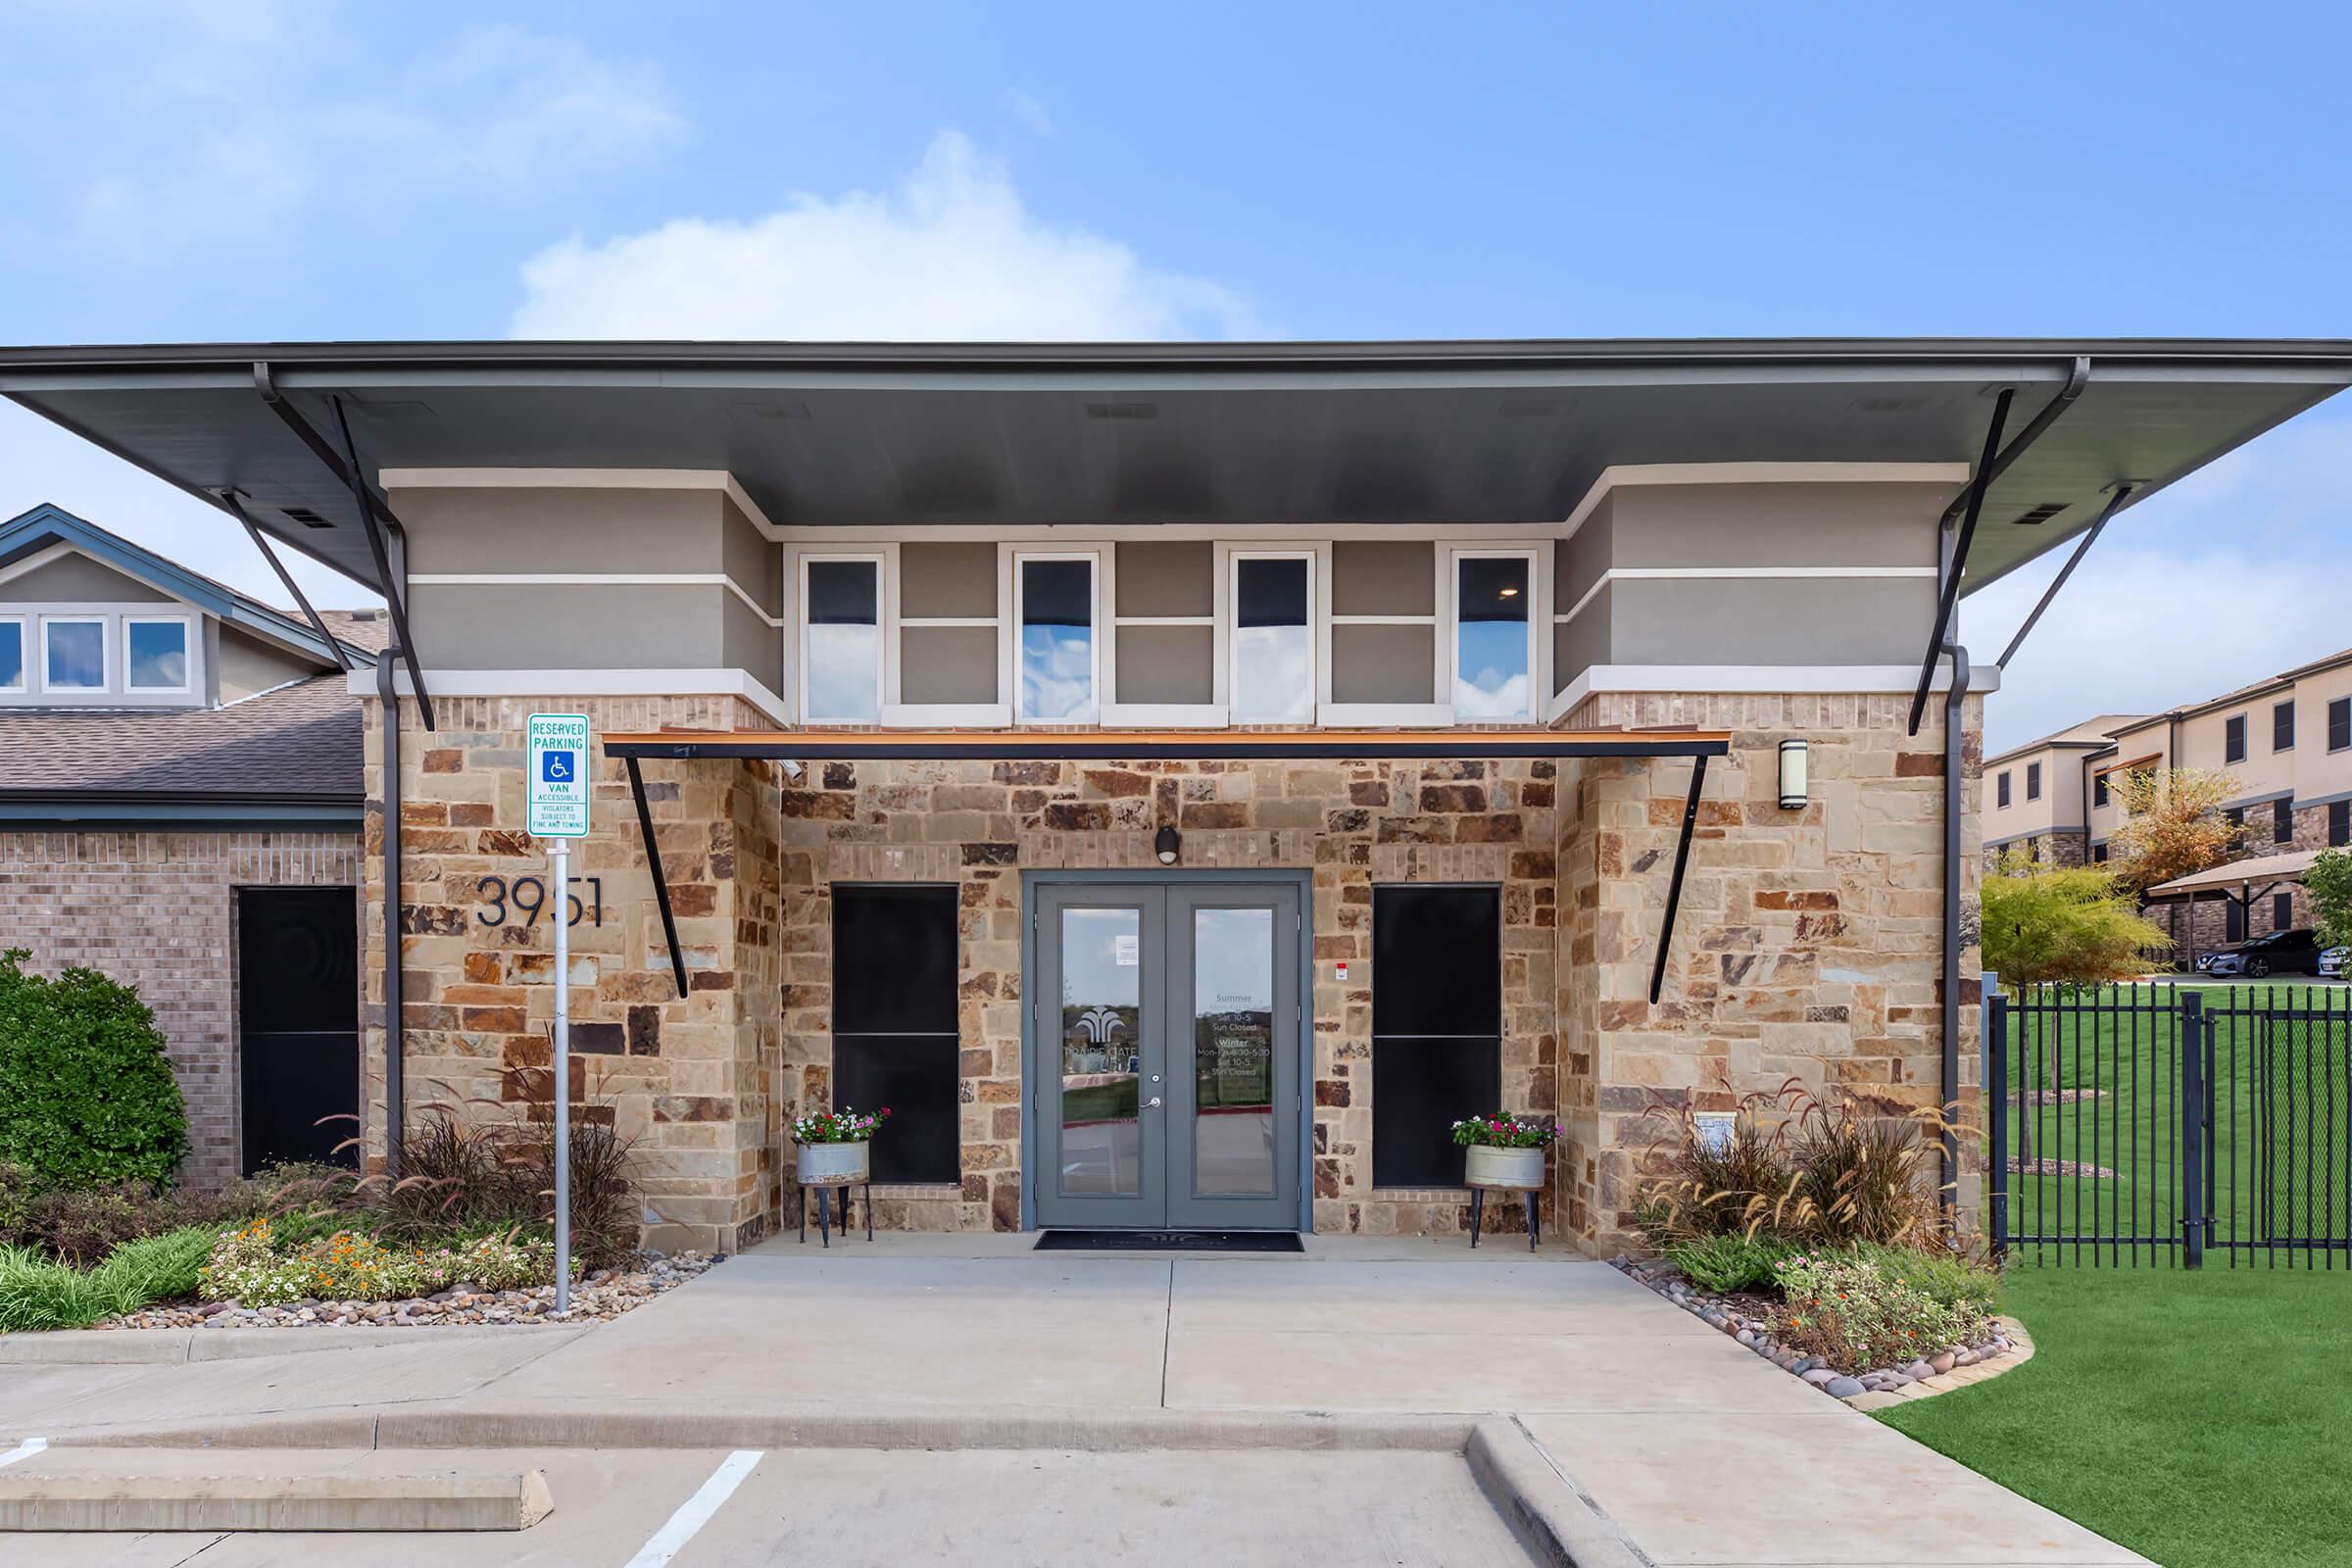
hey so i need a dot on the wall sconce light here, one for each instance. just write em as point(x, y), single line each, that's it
point(1792, 775)
point(1166, 845)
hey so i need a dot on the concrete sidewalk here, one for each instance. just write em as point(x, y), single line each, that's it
point(1698, 1451)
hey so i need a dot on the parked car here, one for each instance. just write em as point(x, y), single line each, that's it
point(2295, 952)
point(2335, 962)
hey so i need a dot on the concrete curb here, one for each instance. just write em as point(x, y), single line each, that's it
point(176, 1347)
point(2021, 1350)
point(416, 1426)
point(1555, 1519)
point(433, 1500)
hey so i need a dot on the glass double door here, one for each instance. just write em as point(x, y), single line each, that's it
point(1165, 1055)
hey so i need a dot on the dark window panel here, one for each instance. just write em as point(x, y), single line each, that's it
point(1420, 1088)
point(2098, 854)
point(1493, 588)
point(2032, 781)
point(2234, 739)
point(2339, 822)
point(2282, 821)
point(2098, 790)
point(2233, 921)
point(914, 1076)
point(2282, 911)
point(844, 593)
point(1058, 593)
point(2282, 727)
point(1437, 961)
point(2000, 787)
point(2339, 723)
point(894, 959)
point(1271, 593)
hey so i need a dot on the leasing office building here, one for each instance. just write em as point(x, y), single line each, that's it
point(1178, 780)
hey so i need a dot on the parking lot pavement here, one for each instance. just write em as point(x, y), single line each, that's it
point(855, 1507)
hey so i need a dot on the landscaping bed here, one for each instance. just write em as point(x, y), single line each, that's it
point(599, 1296)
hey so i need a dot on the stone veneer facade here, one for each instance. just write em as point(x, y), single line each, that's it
point(157, 909)
point(1807, 946)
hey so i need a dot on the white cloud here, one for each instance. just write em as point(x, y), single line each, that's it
point(1026, 111)
point(39, 462)
point(952, 251)
point(2224, 578)
point(343, 134)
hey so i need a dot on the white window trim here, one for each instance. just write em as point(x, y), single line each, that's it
point(1099, 643)
point(189, 658)
point(106, 654)
point(1539, 623)
point(1229, 624)
point(24, 647)
point(886, 675)
point(1330, 715)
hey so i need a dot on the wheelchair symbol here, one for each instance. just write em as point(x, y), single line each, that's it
point(556, 767)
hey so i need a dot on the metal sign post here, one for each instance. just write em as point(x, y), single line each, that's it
point(557, 794)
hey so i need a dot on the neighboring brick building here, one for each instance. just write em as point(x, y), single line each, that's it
point(171, 757)
point(2287, 741)
point(1179, 780)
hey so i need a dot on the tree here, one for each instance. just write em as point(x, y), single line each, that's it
point(2330, 884)
point(87, 1091)
point(2061, 925)
point(2172, 825)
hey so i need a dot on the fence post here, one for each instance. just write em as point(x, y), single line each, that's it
point(1996, 1115)
point(2190, 1027)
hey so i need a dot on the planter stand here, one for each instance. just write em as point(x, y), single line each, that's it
point(1478, 1203)
point(826, 1187)
point(1503, 1171)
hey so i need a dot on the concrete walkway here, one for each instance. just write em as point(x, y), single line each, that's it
point(1321, 1384)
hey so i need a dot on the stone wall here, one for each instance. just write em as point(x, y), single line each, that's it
point(2063, 846)
point(1352, 824)
point(690, 1079)
point(1808, 943)
point(157, 911)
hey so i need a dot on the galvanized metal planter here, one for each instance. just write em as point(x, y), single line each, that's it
point(833, 1165)
point(1518, 1169)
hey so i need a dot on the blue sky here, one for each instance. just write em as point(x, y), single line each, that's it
point(281, 170)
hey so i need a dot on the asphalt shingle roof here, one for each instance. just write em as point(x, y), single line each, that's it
point(299, 741)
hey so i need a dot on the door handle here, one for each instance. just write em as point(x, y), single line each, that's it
point(1152, 1103)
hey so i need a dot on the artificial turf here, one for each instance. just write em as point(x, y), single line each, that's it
point(2203, 1419)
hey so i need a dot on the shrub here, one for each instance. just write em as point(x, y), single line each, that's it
point(1951, 1278)
point(1742, 1185)
point(89, 1092)
point(1843, 1308)
point(40, 1292)
point(1860, 1173)
point(1723, 1263)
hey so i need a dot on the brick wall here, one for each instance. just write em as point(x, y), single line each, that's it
point(157, 911)
point(1809, 945)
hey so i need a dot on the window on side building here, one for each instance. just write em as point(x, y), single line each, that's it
point(2098, 789)
point(1494, 642)
point(74, 653)
point(1437, 1026)
point(2098, 854)
point(895, 1042)
point(2032, 781)
point(155, 653)
point(2339, 824)
point(2339, 723)
point(2283, 726)
point(1059, 659)
point(841, 640)
point(2282, 911)
point(2233, 921)
point(2282, 821)
point(1273, 658)
point(2234, 739)
point(2235, 817)
point(2000, 787)
point(11, 653)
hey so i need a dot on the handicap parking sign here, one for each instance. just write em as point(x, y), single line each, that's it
point(558, 775)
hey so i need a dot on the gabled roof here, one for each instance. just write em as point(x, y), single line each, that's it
point(2091, 735)
point(47, 524)
point(289, 757)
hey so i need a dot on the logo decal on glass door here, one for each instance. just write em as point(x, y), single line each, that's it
point(1099, 1024)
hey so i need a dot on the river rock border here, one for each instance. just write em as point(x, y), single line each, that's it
point(1956, 1367)
point(600, 1296)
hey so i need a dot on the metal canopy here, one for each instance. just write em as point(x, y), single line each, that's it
point(815, 746)
point(875, 435)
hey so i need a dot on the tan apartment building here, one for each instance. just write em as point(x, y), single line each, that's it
point(2287, 741)
point(1178, 779)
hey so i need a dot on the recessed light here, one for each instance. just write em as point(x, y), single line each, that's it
point(1508, 593)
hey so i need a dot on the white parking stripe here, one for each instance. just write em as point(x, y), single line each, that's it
point(696, 1511)
point(22, 1451)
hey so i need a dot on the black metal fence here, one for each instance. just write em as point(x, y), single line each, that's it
point(2147, 1126)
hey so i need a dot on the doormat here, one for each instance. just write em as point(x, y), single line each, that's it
point(1169, 1241)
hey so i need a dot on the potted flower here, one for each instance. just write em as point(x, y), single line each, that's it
point(836, 1145)
point(1502, 1150)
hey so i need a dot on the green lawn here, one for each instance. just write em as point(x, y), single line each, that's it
point(2203, 1419)
point(2282, 1102)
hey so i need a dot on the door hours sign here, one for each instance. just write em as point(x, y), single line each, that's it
point(558, 775)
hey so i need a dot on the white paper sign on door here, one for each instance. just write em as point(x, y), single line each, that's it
point(1126, 950)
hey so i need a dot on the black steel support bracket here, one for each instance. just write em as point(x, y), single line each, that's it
point(1674, 888)
point(235, 503)
point(2123, 495)
point(653, 860)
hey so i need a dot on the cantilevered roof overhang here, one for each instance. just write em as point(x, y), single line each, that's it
point(875, 435)
point(814, 746)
